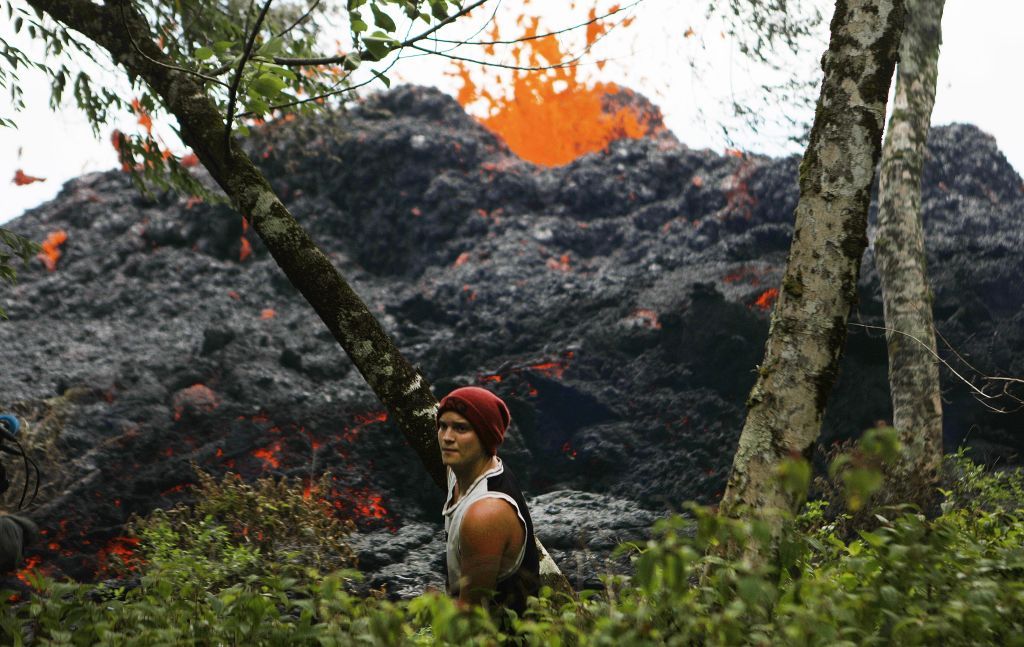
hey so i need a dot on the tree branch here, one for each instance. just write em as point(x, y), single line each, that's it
point(299, 19)
point(537, 36)
point(238, 73)
point(333, 60)
point(138, 50)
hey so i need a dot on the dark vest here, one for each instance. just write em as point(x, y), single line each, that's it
point(513, 589)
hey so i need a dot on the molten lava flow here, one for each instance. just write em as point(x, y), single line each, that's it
point(20, 179)
point(748, 274)
point(560, 264)
point(177, 489)
point(647, 318)
point(553, 369)
point(270, 455)
point(767, 299)
point(551, 116)
point(123, 548)
point(31, 562)
point(197, 398)
point(363, 420)
point(246, 247)
point(362, 503)
point(51, 252)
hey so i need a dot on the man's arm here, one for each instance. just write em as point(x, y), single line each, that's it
point(489, 528)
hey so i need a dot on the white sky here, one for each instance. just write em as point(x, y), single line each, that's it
point(978, 83)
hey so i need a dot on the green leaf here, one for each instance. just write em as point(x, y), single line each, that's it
point(267, 84)
point(358, 26)
point(352, 61)
point(274, 47)
point(203, 53)
point(383, 78)
point(439, 9)
point(222, 46)
point(881, 442)
point(382, 20)
point(795, 475)
point(378, 45)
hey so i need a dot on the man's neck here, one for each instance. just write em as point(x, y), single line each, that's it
point(465, 477)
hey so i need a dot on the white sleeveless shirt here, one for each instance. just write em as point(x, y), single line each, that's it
point(453, 515)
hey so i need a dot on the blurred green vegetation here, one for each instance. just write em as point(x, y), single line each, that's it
point(266, 564)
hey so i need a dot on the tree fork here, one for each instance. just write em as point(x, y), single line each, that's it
point(808, 324)
point(400, 387)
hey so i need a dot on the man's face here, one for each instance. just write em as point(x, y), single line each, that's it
point(459, 443)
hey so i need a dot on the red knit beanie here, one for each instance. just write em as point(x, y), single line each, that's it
point(484, 410)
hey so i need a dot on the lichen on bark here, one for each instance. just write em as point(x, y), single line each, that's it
point(900, 251)
point(808, 323)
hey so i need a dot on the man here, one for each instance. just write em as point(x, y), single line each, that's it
point(15, 531)
point(490, 545)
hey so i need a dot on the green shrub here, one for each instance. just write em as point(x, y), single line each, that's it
point(281, 522)
point(956, 579)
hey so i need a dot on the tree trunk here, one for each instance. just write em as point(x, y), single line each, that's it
point(899, 249)
point(401, 388)
point(808, 324)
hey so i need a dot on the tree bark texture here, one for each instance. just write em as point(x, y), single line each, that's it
point(401, 388)
point(808, 324)
point(899, 247)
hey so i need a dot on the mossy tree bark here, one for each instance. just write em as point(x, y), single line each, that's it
point(808, 324)
point(899, 249)
point(401, 388)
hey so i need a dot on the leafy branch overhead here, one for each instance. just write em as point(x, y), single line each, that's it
point(12, 245)
point(253, 60)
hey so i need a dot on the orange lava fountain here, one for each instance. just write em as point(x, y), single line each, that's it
point(551, 116)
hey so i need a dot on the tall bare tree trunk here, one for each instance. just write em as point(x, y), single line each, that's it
point(808, 324)
point(400, 387)
point(899, 248)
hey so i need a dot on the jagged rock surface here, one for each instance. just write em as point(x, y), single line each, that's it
point(618, 303)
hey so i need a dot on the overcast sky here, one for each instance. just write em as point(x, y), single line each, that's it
point(978, 83)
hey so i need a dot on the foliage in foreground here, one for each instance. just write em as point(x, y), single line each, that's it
point(954, 579)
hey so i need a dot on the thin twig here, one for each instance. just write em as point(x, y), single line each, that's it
point(238, 74)
point(299, 20)
point(135, 45)
point(572, 62)
point(538, 36)
point(979, 394)
point(331, 60)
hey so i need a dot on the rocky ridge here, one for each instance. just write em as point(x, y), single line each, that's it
point(618, 303)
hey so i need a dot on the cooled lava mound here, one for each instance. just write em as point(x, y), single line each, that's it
point(619, 304)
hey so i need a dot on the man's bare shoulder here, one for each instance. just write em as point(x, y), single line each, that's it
point(489, 516)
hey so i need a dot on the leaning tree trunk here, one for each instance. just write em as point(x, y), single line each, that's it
point(808, 323)
point(899, 250)
point(400, 387)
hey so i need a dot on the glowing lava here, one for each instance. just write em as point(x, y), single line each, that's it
point(550, 116)
point(123, 548)
point(767, 299)
point(197, 398)
point(271, 455)
point(51, 251)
